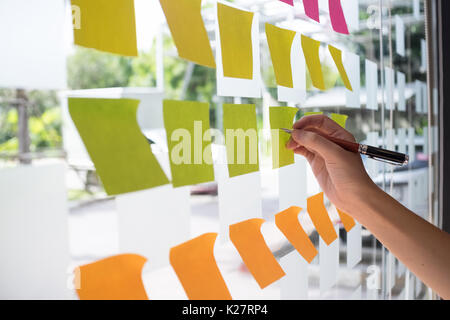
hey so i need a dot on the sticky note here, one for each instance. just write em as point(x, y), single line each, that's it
point(389, 87)
point(312, 9)
point(401, 83)
point(120, 152)
point(399, 36)
point(346, 220)
point(352, 67)
point(287, 222)
point(281, 117)
point(291, 2)
point(188, 30)
point(341, 119)
point(280, 43)
point(321, 220)
point(107, 25)
point(241, 138)
point(308, 113)
point(247, 238)
point(328, 263)
point(235, 27)
point(311, 52)
point(114, 278)
point(337, 17)
point(194, 263)
point(337, 57)
point(189, 141)
point(371, 85)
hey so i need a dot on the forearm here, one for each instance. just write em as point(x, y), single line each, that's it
point(421, 246)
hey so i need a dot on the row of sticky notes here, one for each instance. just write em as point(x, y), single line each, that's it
point(337, 16)
point(119, 277)
point(124, 159)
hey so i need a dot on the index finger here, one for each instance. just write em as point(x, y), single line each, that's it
point(324, 125)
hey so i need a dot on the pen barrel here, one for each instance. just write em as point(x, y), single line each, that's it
point(387, 155)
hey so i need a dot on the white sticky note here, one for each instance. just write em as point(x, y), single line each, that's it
point(234, 87)
point(423, 55)
point(390, 271)
point(351, 14)
point(424, 96)
point(33, 53)
point(34, 240)
point(401, 136)
point(401, 82)
point(356, 295)
point(390, 139)
point(399, 36)
point(329, 263)
point(416, 9)
point(297, 94)
point(354, 246)
point(389, 88)
point(418, 96)
point(372, 166)
point(152, 221)
point(294, 285)
point(371, 85)
point(351, 64)
point(411, 144)
point(292, 184)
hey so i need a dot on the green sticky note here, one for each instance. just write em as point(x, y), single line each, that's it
point(312, 112)
point(341, 119)
point(189, 141)
point(281, 117)
point(241, 138)
point(120, 152)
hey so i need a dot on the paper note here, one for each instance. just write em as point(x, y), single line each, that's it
point(321, 220)
point(351, 14)
point(247, 238)
point(120, 152)
point(292, 184)
point(235, 28)
point(341, 119)
point(337, 57)
point(241, 138)
point(346, 220)
point(329, 263)
point(399, 36)
point(294, 285)
point(188, 30)
point(107, 25)
point(311, 52)
point(423, 55)
point(352, 67)
point(189, 141)
point(194, 263)
point(354, 245)
point(337, 16)
point(371, 85)
point(389, 87)
point(280, 43)
point(114, 278)
point(287, 222)
point(308, 113)
point(281, 117)
point(290, 2)
point(401, 83)
point(312, 9)
point(418, 96)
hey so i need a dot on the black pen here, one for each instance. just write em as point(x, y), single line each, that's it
point(384, 155)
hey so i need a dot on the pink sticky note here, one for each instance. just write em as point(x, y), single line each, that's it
point(337, 16)
point(291, 2)
point(312, 9)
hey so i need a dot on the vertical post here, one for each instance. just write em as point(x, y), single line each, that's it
point(22, 130)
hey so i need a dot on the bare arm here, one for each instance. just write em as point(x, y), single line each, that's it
point(422, 247)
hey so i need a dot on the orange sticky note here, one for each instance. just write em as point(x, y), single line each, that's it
point(320, 218)
point(287, 222)
point(337, 57)
point(235, 28)
point(247, 238)
point(194, 263)
point(311, 52)
point(114, 278)
point(188, 30)
point(347, 221)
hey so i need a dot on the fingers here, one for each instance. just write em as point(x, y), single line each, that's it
point(315, 143)
point(325, 125)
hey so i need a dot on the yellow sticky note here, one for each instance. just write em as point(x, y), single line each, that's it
point(337, 57)
point(114, 278)
point(235, 28)
point(280, 43)
point(194, 263)
point(341, 119)
point(287, 222)
point(188, 30)
point(247, 238)
point(107, 25)
point(321, 220)
point(281, 117)
point(311, 51)
point(309, 113)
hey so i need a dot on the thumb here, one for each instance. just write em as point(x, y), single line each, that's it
point(318, 144)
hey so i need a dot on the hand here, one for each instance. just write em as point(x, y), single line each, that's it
point(340, 173)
